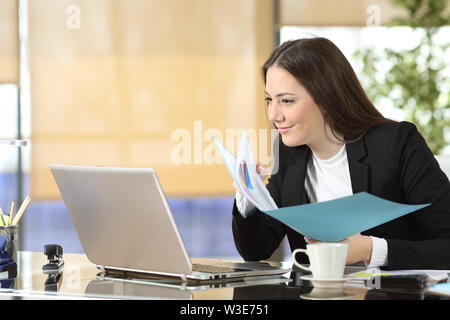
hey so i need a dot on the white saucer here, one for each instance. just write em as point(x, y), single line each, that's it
point(326, 283)
point(327, 294)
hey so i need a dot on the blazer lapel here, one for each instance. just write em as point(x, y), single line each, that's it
point(359, 172)
point(294, 183)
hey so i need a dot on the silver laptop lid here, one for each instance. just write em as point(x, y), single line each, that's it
point(122, 218)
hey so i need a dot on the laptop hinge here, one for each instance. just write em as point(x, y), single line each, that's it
point(107, 269)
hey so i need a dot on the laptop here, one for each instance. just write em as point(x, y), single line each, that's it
point(124, 224)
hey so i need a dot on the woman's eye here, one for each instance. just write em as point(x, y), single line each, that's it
point(268, 100)
point(287, 101)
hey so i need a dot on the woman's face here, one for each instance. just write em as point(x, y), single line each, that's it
point(292, 110)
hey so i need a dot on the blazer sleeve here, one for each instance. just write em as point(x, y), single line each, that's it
point(423, 182)
point(258, 235)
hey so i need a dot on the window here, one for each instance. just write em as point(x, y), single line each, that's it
point(351, 39)
point(8, 154)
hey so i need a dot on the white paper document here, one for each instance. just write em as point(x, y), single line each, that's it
point(434, 276)
point(243, 170)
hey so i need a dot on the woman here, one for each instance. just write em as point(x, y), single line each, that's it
point(334, 144)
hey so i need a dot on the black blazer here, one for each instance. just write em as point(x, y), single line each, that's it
point(391, 161)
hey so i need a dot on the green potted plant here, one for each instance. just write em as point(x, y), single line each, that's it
point(417, 80)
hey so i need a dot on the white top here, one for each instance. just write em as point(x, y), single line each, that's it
point(327, 180)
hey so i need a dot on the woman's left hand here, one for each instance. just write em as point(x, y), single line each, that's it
point(359, 248)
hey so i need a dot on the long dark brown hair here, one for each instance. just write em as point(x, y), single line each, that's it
point(321, 68)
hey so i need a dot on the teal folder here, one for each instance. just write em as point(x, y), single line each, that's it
point(336, 220)
point(329, 221)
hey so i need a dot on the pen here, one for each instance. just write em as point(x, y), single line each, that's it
point(11, 212)
point(3, 218)
point(21, 211)
point(367, 274)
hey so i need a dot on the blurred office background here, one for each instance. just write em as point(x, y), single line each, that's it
point(111, 82)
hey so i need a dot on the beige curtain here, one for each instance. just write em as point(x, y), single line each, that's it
point(9, 46)
point(126, 83)
point(337, 13)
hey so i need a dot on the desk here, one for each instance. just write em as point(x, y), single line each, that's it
point(81, 279)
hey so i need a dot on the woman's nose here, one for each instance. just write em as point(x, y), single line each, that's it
point(274, 113)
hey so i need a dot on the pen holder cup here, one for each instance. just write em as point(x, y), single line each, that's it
point(11, 236)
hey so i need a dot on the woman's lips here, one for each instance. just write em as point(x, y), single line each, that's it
point(283, 129)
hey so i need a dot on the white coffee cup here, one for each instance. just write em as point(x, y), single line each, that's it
point(327, 260)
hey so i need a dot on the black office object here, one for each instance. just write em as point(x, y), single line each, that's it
point(406, 281)
point(7, 264)
point(54, 253)
point(394, 294)
point(52, 283)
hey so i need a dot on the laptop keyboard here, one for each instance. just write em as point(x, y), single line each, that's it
point(211, 269)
